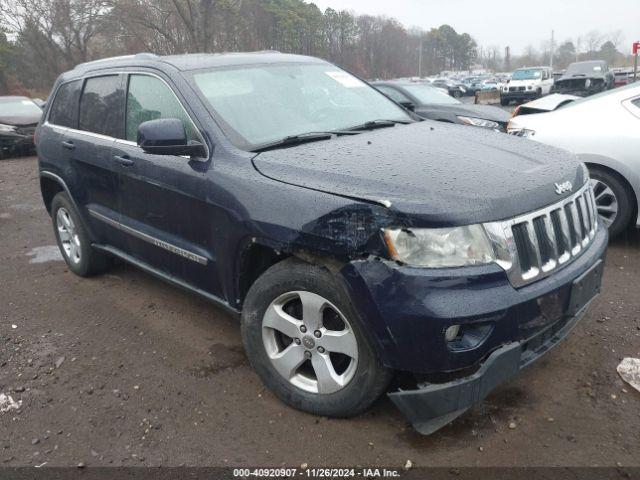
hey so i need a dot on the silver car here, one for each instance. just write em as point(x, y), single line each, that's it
point(604, 131)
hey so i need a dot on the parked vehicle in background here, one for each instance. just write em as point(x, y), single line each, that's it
point(622, 78)
point(455, 89)
point(19, 117)
point(527, 84)
point(603, 130)
point(472, 85)
point(584, 79)
point(428, 102)
point(545, 104)
point(353, 241)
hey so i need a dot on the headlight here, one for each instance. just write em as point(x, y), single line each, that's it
point(479, 122)
point(7, 128)
point(440, 247)
point(521, 132)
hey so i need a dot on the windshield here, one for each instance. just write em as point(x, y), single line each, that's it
point(586, 68)
point(429, 95)
point(266, 103)
point(527, 74)
point(19, 108)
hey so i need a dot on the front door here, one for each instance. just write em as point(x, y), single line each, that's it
point(164, 204)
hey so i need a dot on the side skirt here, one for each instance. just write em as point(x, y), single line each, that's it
point(168, 278)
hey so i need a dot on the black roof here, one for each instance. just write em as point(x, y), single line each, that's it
point(192, 61)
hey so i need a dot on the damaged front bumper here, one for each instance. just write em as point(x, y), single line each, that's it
point(433, 406)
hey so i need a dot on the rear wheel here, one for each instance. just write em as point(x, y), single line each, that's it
point(613, 200)
point(307, 344)
point(73, 240)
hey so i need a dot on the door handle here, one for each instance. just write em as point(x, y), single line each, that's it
point(123, 160)
point(68, 145)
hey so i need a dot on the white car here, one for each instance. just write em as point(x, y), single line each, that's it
point(527, 84)
point(604, 131)
point(545, 104)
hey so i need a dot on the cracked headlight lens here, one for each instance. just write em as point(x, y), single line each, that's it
point(479, 122)
point(440, 247)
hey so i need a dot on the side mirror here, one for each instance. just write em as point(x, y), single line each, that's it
point(408, 105)
point(167, 136)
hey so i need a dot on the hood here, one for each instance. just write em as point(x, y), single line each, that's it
point(439, 174)
point(20, 121)
point(486, 112)
point(549, 103)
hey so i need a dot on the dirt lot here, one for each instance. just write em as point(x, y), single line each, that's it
point(125, 370)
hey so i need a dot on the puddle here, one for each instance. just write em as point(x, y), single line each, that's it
point(49, 253)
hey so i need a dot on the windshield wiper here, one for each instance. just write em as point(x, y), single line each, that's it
point(292, 140)
point(301, 138)
point(373, 124)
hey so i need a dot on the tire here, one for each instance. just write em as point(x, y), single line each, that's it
point(456, 94)
point(504, 102)
point(287, 285)
point(73, 240)
point(613, 200)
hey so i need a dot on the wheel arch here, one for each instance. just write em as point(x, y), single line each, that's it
point(50, 185)
point(621, 171)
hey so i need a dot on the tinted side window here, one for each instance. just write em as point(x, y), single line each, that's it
point(64, 111)
point(102, 106)
point(393, 94)
point(149, 98)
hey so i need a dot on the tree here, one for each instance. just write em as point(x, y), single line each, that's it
point(609, 53)
point(565, 54)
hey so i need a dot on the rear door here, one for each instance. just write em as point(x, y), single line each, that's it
point(166, 198)
point(89, 147)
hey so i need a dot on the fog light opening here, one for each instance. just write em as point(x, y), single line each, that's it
point(451, 333)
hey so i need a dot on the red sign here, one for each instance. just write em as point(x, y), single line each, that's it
point(636, 48)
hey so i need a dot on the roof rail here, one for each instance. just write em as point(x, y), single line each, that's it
point(121, 57)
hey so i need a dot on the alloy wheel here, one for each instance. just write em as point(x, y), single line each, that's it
point(606, 201)
point(68, 235)
point(310, 342)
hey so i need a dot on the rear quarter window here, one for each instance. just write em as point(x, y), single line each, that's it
point(102, 106)
point(64, 110)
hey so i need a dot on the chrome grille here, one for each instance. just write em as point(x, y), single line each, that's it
point(532, 246)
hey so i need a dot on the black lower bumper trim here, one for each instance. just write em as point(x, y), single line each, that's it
point(433, 406)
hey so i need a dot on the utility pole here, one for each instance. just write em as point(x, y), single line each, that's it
point(552, 49)
point(420, 59)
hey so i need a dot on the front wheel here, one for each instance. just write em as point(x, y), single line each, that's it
point(307, 343)
point(613, 200)
point(504, 102)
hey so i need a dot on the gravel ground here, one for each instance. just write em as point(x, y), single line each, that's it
point(123, 369)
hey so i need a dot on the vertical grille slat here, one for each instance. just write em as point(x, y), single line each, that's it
point(545, 246)
point(551, 237)
point(523, 244)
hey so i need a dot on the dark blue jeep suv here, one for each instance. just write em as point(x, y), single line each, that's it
point(364, 251)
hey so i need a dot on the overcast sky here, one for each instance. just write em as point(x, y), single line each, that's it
point(514, 23)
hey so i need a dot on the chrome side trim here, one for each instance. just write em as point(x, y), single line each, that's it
point(194, 257)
